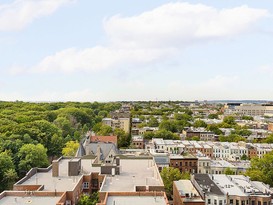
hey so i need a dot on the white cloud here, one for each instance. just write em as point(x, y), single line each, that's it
point(97, 58)
point(20, 13)
point(153, 36)
point(266, 69)
point(177, 24)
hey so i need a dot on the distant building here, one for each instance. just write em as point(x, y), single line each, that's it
point(255, 109)
point(138, 142)
point(200, 132)
point(122, 123)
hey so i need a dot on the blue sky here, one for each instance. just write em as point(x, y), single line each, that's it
point(81, 50)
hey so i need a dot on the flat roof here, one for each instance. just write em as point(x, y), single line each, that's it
point(176, 156)
point(185, 187)
point(227, 186)
point(221, 163)
point(63, 182)
point(134, 172)
point(132, 200)
point(33, 200)
point(244, 183)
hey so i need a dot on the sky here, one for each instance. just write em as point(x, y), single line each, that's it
point(82, 50)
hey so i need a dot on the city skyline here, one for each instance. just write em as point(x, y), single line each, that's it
point(74, 50)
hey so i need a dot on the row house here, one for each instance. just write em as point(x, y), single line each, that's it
point(231, 190)
point(217, 150)
point(200, 132)
point(188, 163)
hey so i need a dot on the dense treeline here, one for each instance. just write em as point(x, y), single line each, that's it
point(31, 134)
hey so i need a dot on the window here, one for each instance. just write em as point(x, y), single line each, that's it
point(180, 163)
point(237, 202)
point(259, 202)
point(186, 163)
point(220, 202)
point(265, 203)
point(231, 201)
point(243, 202)
point(86, 185)
point(208, 201)
point(215, 202)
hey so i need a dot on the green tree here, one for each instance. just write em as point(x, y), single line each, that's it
point(56, 145)
point(105, 130)
point(89, 200)
point(70, 148)
point(262, 169)
point(65, 125)
point(247, 118)
point(200, 123)
point(31, 155)
point(10, 177)
point(228, 171)
point(165, 134)
point(213, 116)
point(153, 122)
point(168, 125)
point(244, 157)
point(124, 139)
point(268, 139)
point(229, 120)
point(195, 138)
point(6, 166)
point(170, 174)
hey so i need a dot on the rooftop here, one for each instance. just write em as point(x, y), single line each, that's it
point(188, 156)
point(185, 188)
point(227, 186)
point(221, 163)
point(132, 200)
point(63, 182)
point(33, 200)
point(207, 184)
point(134, 172)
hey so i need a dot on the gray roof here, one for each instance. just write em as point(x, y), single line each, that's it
point(162, 159)
point(105, 148)
point(205, 181)
point(81, 151)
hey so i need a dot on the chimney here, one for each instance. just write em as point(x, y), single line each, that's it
point(117, 161)
point(98, 154)
point(55, 168)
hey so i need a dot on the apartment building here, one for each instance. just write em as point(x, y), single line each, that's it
point(184, 193)
point(119, 120)
point(63, 182)
point(200, 132)
point(208, 190)
point(138, 142)
point(255, 109)
point(188, 163)
point(231, 190)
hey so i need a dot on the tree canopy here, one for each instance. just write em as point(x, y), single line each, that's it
point(170, 174)
point(262, 169)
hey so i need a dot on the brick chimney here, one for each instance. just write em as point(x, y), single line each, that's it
point(55, 168)
point(98, 154)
